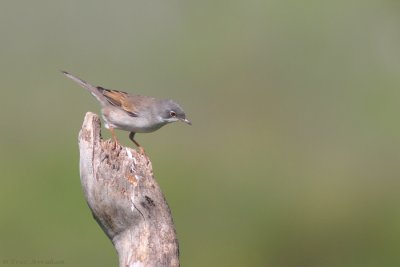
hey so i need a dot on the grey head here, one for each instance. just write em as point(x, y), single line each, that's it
point(170, 111)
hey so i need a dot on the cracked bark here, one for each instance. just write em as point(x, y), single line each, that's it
point(125, 200)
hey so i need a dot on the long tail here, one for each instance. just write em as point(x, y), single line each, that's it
point(92, 89)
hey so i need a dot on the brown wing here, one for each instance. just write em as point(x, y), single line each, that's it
point(119, 99)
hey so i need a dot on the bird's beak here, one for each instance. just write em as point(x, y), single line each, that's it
point(186, 121)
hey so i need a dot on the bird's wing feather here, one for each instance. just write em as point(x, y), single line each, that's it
point(119, 99)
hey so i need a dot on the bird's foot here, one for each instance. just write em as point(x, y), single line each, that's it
point(116, 144)
point(141, 151)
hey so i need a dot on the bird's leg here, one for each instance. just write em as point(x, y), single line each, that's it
point(114, 137)
point(141, 149)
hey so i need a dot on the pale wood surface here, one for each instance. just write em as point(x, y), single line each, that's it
point(125, 200)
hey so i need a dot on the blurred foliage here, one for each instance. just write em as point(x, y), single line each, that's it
point(293, 156)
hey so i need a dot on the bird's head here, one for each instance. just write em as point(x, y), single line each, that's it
point(170, 111)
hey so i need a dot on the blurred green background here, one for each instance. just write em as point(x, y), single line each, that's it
point(293, 156)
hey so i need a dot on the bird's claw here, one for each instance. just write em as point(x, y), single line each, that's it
point(141, 151)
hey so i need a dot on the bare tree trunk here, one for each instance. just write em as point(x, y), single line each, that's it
point(125, 200)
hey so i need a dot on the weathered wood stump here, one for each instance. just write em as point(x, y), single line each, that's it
point(125, 200)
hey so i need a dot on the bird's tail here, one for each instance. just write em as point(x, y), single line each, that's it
point(92, 89)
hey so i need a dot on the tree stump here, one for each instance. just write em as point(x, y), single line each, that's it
point(125, 200)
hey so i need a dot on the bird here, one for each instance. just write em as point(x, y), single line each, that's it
point(133, 113)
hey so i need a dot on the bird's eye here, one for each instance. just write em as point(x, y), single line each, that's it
point(172, 113)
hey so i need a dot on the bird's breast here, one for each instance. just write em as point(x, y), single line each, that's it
point(119, 119)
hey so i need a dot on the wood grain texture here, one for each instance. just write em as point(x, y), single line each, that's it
point(125, 200)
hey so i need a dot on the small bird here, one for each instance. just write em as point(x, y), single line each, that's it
point(132, 113)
